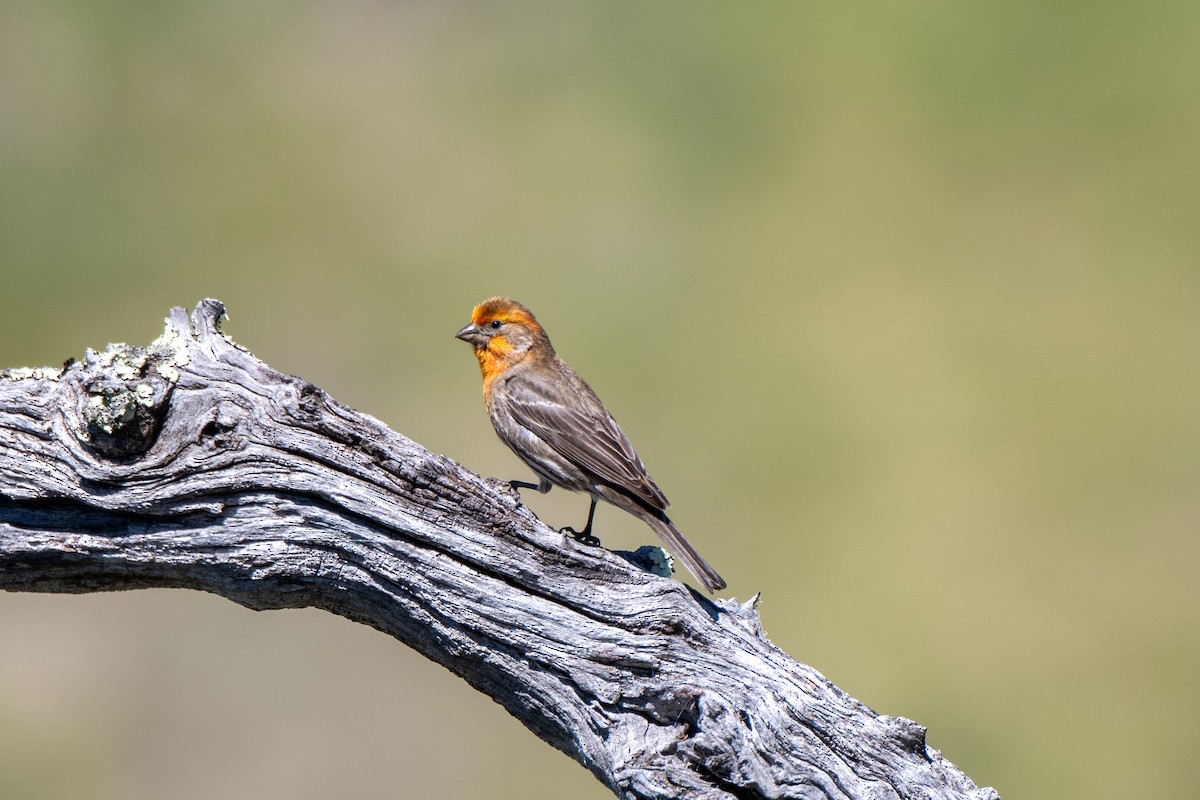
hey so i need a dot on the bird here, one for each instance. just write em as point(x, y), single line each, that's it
point(553, 421)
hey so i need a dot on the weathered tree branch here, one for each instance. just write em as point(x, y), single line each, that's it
point(189, 463)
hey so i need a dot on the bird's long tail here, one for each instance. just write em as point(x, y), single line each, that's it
point(684, 551)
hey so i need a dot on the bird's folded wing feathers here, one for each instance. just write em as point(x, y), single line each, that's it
point(573, 421)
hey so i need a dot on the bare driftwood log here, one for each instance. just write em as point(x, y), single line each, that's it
point(190, 463)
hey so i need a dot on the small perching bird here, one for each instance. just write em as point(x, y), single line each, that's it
point(556, 424)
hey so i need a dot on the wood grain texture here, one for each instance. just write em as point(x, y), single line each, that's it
point(190, 463)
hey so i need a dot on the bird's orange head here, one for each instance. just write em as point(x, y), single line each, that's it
point(503, 333)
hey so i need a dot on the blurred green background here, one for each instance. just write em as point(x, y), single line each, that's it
point(900, 303)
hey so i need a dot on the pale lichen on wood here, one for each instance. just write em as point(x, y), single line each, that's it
point(190, 463)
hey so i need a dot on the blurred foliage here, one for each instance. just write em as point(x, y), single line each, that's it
point(900, 304)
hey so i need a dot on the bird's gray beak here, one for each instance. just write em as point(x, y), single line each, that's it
point(471, 334)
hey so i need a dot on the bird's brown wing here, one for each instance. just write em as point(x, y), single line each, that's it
point(568, 416)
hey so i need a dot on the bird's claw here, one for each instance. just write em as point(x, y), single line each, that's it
point(583, 537)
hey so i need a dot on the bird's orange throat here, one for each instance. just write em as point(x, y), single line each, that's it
point(494, 357)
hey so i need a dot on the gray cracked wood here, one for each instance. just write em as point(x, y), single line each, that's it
point(190, 463)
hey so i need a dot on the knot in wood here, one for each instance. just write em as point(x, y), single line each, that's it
point(123, 396)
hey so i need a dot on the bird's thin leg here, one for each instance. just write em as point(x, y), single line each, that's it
point(542, 486)
point(585, 536)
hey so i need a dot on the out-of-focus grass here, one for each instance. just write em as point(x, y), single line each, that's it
point(899, 305)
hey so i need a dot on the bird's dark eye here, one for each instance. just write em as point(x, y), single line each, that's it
point(496, 324)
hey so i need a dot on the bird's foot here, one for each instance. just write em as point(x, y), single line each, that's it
point(583, 537)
